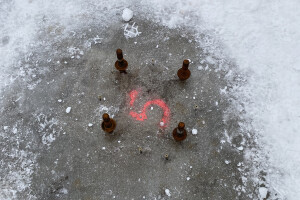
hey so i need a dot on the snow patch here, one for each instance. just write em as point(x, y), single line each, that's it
point(210, 60)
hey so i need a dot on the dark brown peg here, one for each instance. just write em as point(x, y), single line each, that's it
point(180, 133)
point(121, 64)
point(184, 72)
point(108, 124)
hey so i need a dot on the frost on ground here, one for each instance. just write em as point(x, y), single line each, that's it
point(21, 141)
point(17, 167)
point(18, 158)
point(131, 31)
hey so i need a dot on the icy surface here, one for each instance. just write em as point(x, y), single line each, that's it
point(262, 37)
point(73, 155)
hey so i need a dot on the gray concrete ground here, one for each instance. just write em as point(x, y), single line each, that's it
point(75, 161)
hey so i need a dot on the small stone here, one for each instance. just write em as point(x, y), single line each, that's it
point(188, 178)
point(59, 100)
point(90, 124)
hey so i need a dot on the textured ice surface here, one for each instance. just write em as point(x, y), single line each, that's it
point(78, 157)
point(43, 43)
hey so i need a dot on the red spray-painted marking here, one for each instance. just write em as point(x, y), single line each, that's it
point(142, 116)
point(133, 95)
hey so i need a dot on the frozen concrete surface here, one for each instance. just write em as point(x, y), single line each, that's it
point(70, 159)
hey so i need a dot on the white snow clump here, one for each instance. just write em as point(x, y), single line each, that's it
point(68, 110)
point(127, 14)
point(167, 191)
point(194, 131)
